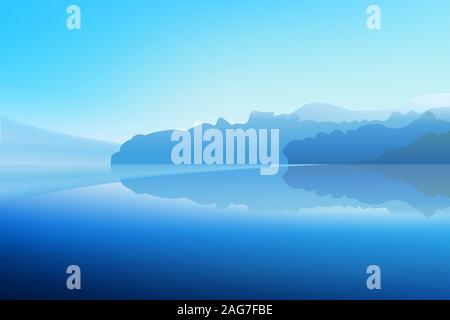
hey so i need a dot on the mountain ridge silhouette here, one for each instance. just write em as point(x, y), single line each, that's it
point(363, 145)
point(431, 148)
point(155, 148)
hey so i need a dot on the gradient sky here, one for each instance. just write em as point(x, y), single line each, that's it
point(140, 66)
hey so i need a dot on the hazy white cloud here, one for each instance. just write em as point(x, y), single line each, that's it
point(426, 102)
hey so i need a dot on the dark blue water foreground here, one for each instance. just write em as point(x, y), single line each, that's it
point(308, 233)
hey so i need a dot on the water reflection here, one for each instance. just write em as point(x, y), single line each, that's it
point(396, 188)
point(422, 187)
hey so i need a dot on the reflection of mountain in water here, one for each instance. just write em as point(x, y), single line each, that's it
point(422, 186)
point(431, 180)
point(380, 186)
point(223, 188)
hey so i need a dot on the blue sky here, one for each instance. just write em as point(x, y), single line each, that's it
point(140, 66)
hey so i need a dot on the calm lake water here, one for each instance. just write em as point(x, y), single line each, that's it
point(152, 233)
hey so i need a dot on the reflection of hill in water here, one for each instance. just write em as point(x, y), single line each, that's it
point(431, 180)
point(422, 187)
point(223, 188)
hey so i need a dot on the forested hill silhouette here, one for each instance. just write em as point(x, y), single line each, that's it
point(430, 149)
point(155, 148)
point(366, 144)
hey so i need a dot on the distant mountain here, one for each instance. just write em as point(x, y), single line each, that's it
point(441, 113)
point(155, 148)
point(322, 112)
point(398, 120)
point(363, 145)
point(25, 144)
point(429, 149)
